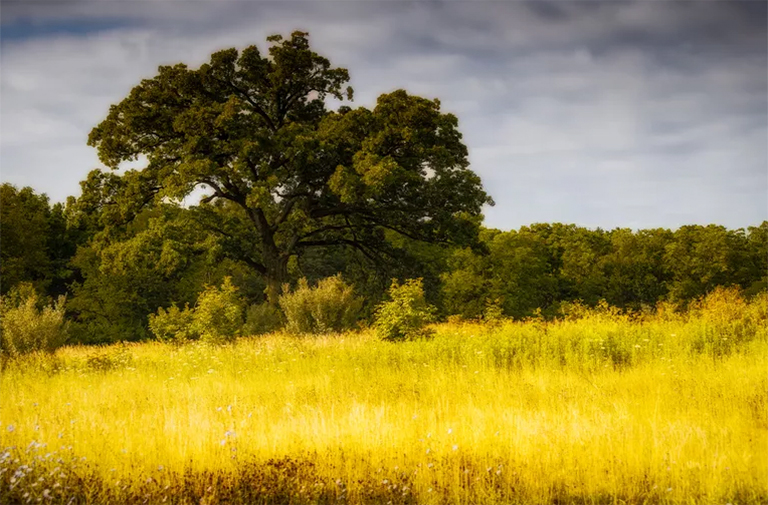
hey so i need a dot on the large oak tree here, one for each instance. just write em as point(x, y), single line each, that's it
point(282, 173)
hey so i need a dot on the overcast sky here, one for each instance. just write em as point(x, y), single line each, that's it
point(612, 114)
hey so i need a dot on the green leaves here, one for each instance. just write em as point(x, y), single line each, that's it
point(406, 314)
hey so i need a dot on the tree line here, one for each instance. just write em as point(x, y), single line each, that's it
point(114, 280)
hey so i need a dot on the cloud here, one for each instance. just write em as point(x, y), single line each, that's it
point(600, 113)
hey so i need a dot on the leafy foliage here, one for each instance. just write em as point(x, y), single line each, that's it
point(173, 324)
point(262, 318)
point(406, 314)
point(330, 306)
point(217, 317)
point(218, 314)
point(36, 243)
point(28, 324)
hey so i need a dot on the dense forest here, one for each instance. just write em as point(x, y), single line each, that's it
point(114, 279)
point(293, 193)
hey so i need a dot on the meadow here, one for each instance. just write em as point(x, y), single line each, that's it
point(598, 407)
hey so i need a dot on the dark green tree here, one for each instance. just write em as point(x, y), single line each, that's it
point(160, 257)
point(254, 131)
point(24, 225)
point(515, 273)
point(634, 270)
point(699, 258)
point(757, 258)
point(35, 244)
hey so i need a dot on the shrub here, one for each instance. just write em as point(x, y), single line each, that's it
point(331, 306)
point(406, 315)
point(217, 317)
point(27, 325)
point(494, 312)
point(262, 318)
point(218, 314)
point(721, 306)
point(172, 324)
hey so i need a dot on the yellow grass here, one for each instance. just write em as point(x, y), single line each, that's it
point(603, 409)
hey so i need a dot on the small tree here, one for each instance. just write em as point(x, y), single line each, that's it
point(331, 306)
point(173, 324)
point(405, 316)
point(218, 315)
point(28, 325)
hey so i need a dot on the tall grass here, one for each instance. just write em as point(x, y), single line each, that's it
point(597, 408)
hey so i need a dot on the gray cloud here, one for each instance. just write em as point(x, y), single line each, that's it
point(601, 113)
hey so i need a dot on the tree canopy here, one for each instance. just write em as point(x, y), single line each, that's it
point(283, 173)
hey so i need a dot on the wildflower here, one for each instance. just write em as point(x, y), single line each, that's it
point(455, 447)
point(11, 428)
point(450, 430)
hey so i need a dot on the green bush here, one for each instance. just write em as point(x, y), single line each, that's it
point(27, 324)
point(218, 314)
point(331, 306)
point(494, 311)
point(262, 318)
point(406, 315)
point(217, 317)
point(173, 324)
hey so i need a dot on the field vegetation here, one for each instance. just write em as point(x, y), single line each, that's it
point(599, 406)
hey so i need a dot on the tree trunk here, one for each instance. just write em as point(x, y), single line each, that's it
point(277, 275)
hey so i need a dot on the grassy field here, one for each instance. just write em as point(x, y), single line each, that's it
point(603, 408)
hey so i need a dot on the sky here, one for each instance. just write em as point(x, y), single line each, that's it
point(632, 114)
